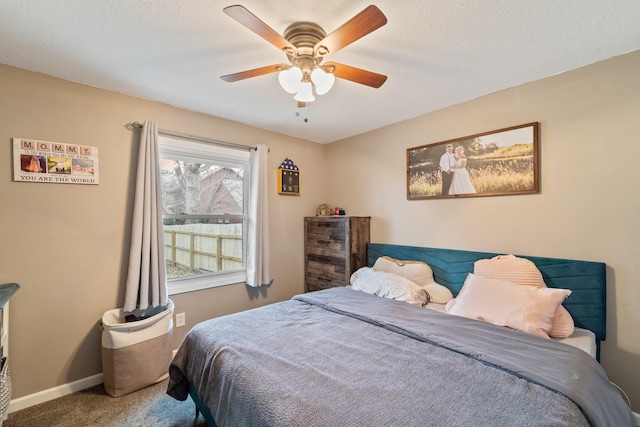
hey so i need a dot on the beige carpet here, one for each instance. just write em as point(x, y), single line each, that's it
point(94, 407)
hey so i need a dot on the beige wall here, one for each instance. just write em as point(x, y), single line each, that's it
point(588, 207)
point(67, 245)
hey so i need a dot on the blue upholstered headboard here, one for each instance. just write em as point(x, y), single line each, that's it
point(587, 280)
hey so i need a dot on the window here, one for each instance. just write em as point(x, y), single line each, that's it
point(204, 191)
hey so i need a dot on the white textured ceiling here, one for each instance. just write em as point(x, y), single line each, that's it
point(435, 53)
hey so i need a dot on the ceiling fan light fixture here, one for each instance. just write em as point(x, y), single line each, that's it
point(306, 44)
point(322, 80)
point(305, 93)
point(290, 79)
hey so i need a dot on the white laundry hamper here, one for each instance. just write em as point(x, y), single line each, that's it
point(135, 354)
point(5, 389)
point(6, 291)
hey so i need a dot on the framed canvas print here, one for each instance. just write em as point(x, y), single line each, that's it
point(495, 163)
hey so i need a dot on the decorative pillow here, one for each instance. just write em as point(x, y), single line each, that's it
point(510, 268)
point(525, 308)
point(522, 271)
point(439, 294)
point(389, 285)
point(417, 271)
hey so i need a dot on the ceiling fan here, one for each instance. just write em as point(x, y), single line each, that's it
point(306, 44)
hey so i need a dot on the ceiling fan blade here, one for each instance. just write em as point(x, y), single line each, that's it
point(254, 73)
point(365, 22)
point(356, 75)
point(252, 22)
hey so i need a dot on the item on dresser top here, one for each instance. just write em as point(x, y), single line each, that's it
point(324, 210)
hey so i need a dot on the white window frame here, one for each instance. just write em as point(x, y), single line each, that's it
point(180, 149)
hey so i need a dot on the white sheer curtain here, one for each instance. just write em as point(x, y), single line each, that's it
point(146, 283)
point(258, 251)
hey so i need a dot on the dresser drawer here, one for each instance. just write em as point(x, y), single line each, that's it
point(326, 247)
point(325, 272)
point(327, 230)
point(319, 283)
point(333, 266)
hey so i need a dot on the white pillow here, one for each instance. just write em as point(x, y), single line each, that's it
point(439, 294)
point(418, 272)
point(525, 308)
point(522, 271)
point(389, 285)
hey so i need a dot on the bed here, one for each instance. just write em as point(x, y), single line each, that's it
point(342, 357)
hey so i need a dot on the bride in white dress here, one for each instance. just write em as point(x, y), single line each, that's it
point(461, 182)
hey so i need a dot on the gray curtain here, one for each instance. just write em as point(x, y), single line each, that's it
point(259, 251)
point(146, 286)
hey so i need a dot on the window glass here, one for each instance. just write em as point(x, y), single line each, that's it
point(204, 192)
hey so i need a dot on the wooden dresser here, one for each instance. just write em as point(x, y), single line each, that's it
point(334, 247)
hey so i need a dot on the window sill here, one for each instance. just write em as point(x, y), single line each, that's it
point(181, 286)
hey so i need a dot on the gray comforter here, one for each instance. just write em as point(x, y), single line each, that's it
point(341, 357)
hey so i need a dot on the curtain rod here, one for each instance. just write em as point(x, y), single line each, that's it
point(137, 125)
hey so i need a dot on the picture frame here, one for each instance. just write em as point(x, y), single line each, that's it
point(289, 181)
point(495, 163)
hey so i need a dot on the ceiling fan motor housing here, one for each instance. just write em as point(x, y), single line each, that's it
point(304, 36)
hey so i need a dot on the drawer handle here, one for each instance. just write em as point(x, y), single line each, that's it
point(324, 242)
point(325, 279)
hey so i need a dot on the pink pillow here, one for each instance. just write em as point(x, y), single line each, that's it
point(525, 308)
point(522, 271)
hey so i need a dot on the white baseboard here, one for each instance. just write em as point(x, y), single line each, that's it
point(637, 418)
point(53, 393)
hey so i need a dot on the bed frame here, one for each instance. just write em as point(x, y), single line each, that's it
point(587, 280)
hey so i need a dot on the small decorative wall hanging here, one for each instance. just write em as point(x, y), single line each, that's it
point(289, 178)
point(56, 162)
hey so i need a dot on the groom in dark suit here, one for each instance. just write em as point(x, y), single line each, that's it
point(447, 162)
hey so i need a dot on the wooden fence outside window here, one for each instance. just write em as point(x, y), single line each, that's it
point(200, 252)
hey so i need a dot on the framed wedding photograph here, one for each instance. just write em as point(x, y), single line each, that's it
point(495, 163)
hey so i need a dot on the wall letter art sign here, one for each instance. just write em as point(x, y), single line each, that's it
point(44, 161)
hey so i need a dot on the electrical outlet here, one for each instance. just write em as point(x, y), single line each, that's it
point(180, 320)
